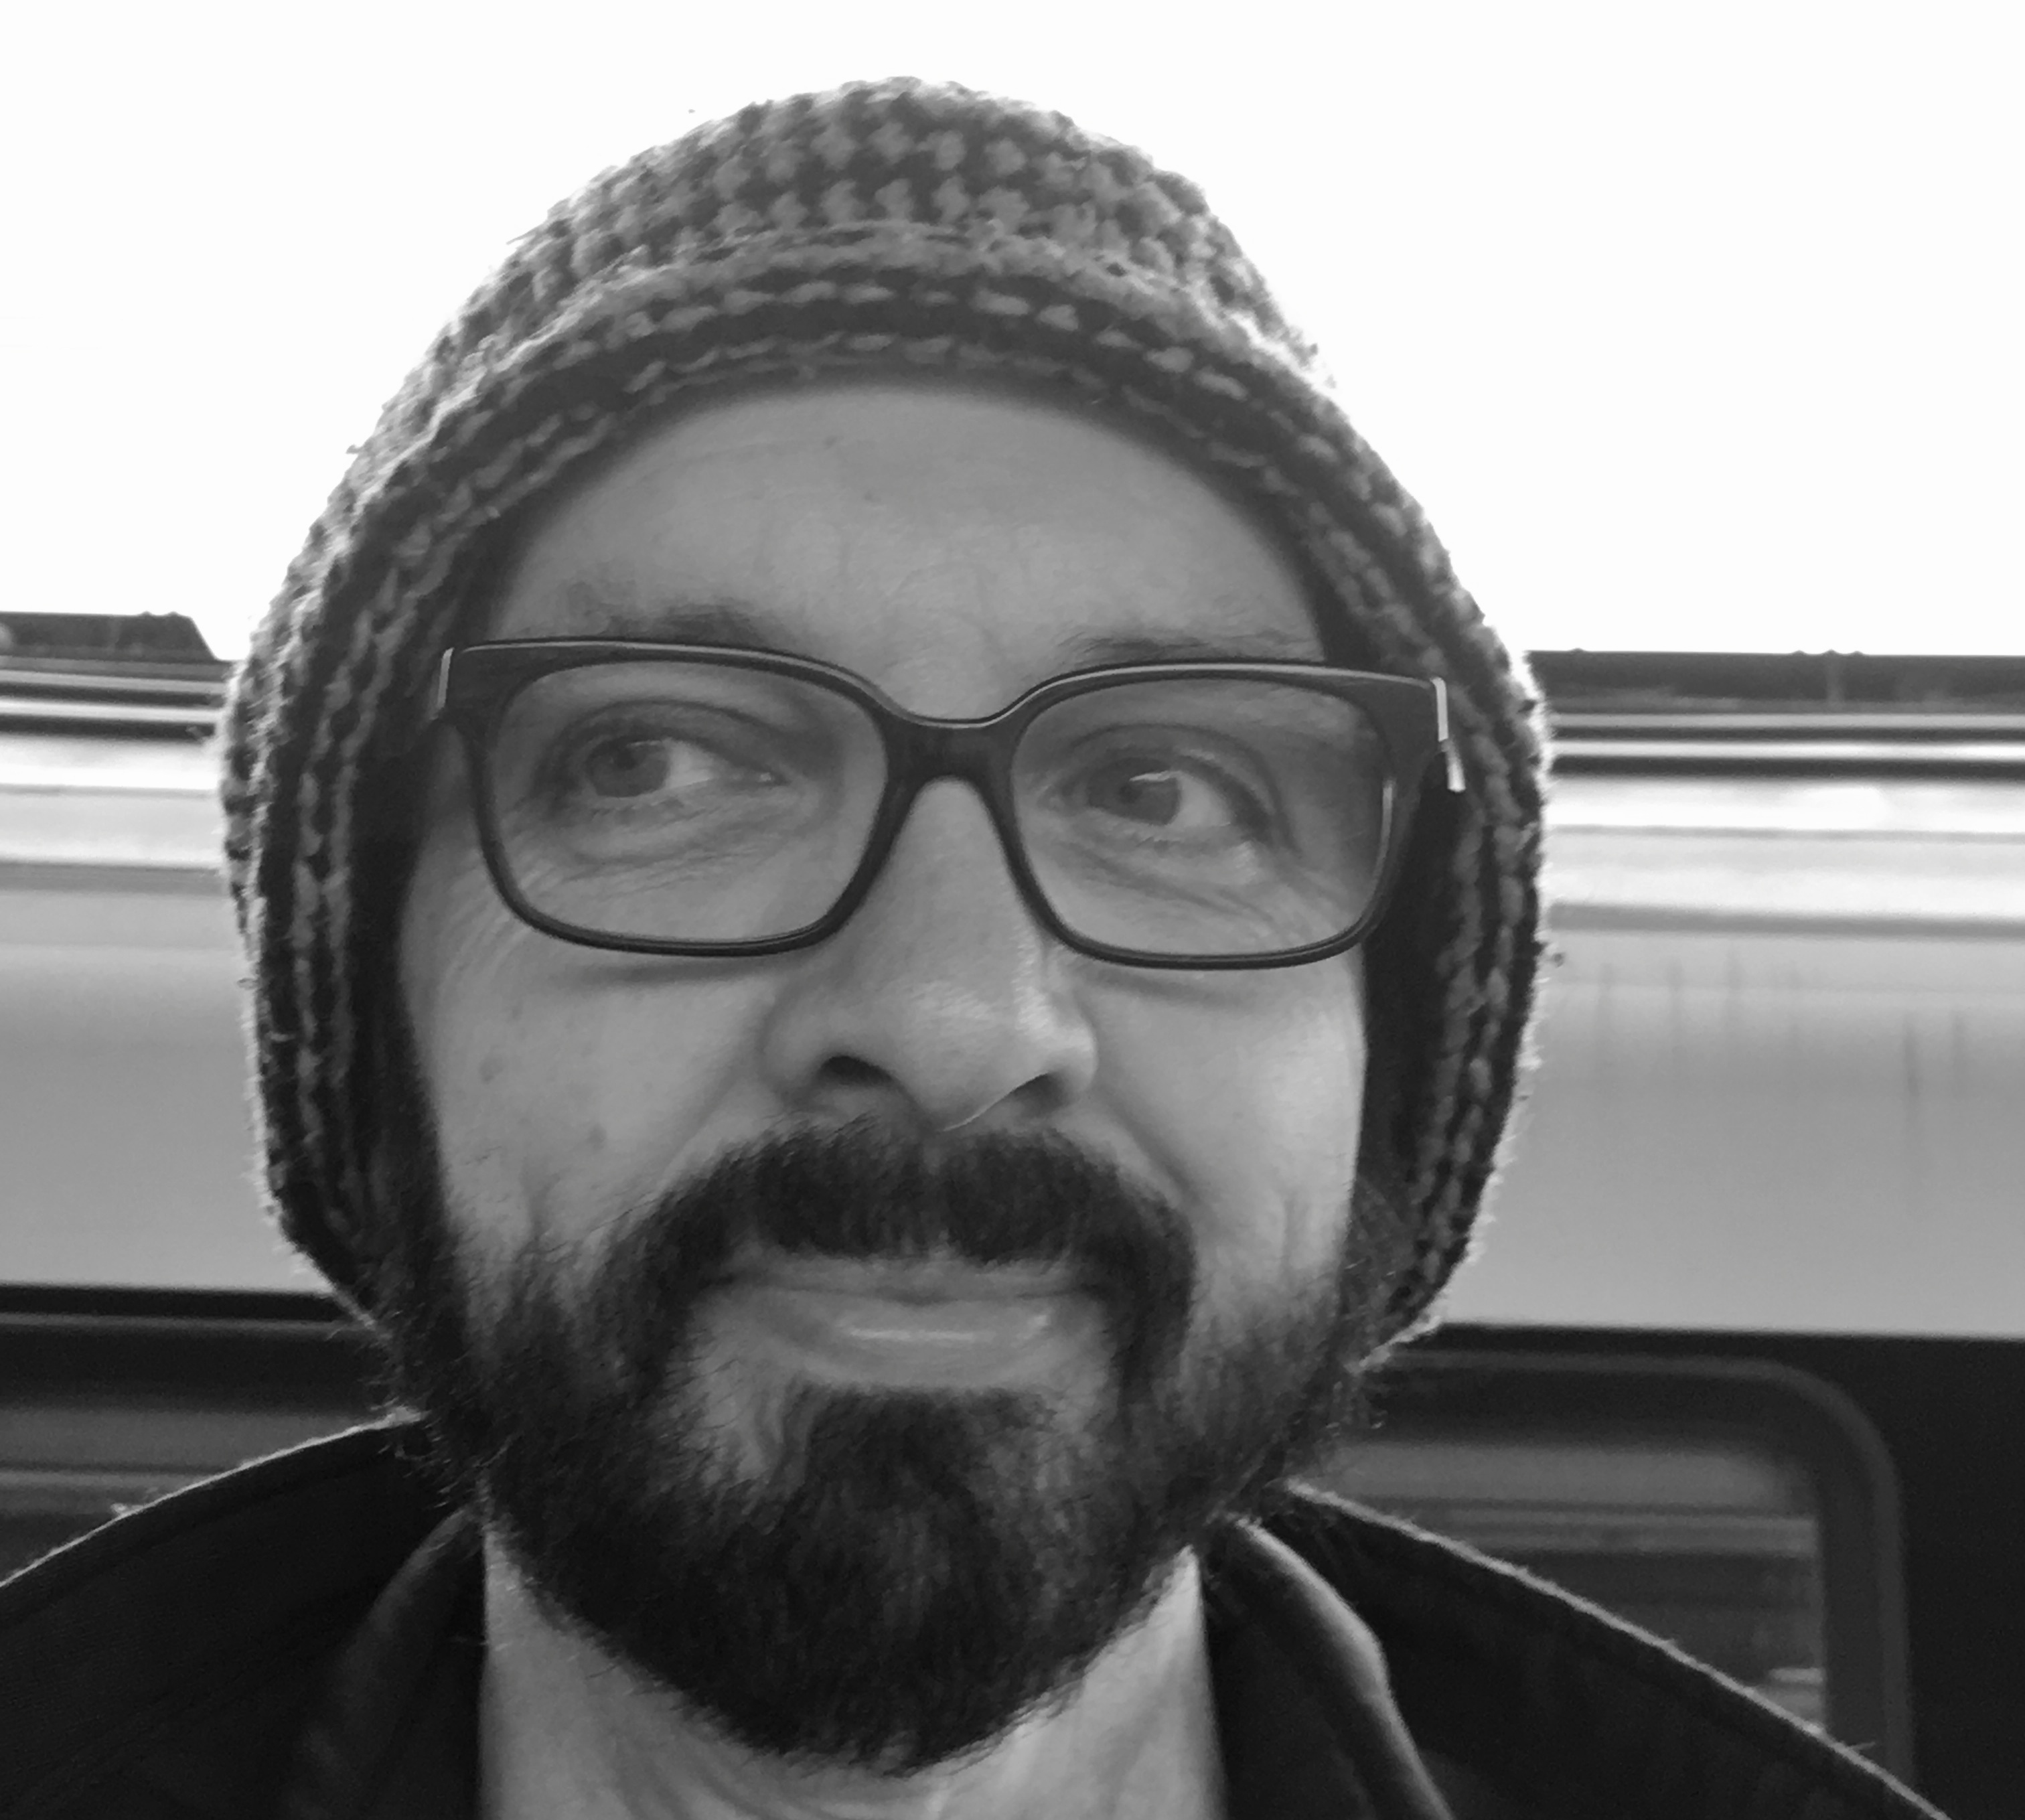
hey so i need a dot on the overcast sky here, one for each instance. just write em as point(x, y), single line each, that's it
point(1693, 326)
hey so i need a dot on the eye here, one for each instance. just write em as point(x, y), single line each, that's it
point(1173, 798)
point(626, 767)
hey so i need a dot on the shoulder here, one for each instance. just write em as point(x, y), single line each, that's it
point(1557, 1706)
point(163, 1662)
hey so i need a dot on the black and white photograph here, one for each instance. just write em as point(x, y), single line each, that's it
point(927, 913)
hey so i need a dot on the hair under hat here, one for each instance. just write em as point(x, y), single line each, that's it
point(894, 225)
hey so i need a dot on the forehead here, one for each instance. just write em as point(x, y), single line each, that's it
point(945, 540)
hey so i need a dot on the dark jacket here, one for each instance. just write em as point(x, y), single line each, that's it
point(302, 1638)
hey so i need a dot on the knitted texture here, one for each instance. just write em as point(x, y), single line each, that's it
point(894, 226)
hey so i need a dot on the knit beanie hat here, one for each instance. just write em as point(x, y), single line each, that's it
point(889, 225)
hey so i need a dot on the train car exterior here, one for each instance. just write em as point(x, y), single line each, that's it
point(1741, 1352)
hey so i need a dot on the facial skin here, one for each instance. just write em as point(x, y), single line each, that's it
point(954, 547)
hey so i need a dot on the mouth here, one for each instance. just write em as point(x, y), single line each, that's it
point(915, 1323)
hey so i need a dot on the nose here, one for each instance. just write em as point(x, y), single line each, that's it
point(942, 1003)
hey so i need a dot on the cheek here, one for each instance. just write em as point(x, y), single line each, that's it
point(1249, 1106)
point(471, 1026)
point(566, 1089)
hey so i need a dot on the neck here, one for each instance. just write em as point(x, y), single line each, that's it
point(566, 1732)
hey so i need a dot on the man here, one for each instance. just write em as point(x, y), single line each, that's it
point(892, 906)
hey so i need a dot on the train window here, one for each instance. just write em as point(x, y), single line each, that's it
point(1745, 1513)
point(66, 1470)
point(1716, 1545)
point(103, 1408)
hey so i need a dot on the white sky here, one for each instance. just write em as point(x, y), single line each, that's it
point(1692, 325)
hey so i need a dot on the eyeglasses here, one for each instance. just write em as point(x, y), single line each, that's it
point(689, 799)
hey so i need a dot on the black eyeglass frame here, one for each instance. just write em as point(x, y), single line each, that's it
point(476, 683)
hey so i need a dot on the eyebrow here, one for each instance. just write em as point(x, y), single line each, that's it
point(740, 625)
point(735, 623)
point(1163, 646)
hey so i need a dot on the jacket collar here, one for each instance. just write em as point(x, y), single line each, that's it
point(173, 1660)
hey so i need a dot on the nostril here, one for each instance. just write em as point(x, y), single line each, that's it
point(849, 1086)
point(845, 1070)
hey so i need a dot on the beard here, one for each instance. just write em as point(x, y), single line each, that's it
point(909, 1572)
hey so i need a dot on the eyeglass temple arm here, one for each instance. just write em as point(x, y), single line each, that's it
point(1451, 758)
point(440, 693)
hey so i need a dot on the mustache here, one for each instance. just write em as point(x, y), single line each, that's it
point(864, 1190)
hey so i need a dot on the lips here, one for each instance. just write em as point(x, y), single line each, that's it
point(921, 1323)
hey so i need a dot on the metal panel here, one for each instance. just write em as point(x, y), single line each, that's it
point(1783, 1083)
point(1782, 1076)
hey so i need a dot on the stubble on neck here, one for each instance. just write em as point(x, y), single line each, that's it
point(566, 1732)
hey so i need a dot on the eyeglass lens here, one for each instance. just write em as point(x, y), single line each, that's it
point(707, 802)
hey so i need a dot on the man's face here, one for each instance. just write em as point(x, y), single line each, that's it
point(954, 547)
